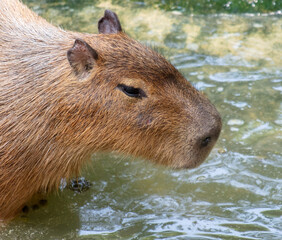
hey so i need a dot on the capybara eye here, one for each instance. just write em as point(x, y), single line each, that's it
point(132, 91)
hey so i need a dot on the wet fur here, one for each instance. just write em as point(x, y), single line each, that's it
point(52, 119)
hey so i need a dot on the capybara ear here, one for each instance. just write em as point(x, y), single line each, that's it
point(82, 57)
point(109, 23)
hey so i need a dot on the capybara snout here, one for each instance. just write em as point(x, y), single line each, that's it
point(65, 95)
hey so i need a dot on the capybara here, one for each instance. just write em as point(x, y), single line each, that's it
point(65, 95)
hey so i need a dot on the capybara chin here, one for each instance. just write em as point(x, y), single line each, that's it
point(65, 95)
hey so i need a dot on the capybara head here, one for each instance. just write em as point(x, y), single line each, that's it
point(138, 103)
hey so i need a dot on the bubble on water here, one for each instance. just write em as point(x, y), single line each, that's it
point(257, 130)
point(178, 13)
point(257, 25)
point(276, 80)
point(258, 182)
point(240, 105)
point(131, 215)
point(193, 73)
point(237, 122)
point(201, 178)
point(278, 121)
point(233, 129)
point(220, 89)
point(193, 46)
point(278, 88)
point(236, 76)
point(219, 172)
point(200, 77)
point(202, 85)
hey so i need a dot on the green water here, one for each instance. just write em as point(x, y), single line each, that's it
point(237, 193)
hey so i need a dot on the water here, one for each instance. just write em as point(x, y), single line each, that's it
point(237, 192)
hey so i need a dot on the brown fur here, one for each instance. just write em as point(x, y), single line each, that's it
point(55, 113)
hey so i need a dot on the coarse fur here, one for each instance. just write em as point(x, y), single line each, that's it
point(60, 102)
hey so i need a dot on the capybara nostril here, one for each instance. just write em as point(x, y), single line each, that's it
point(210, 133)
point(205, 142)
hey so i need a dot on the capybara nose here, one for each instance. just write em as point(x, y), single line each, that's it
point(210, 136)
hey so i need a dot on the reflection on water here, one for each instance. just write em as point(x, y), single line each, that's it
point(237, 192)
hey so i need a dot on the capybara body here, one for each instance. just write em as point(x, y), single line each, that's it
point(65, 95)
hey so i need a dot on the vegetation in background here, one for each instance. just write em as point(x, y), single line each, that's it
point(189, 6)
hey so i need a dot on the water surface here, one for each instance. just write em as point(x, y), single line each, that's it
point(237, 193)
